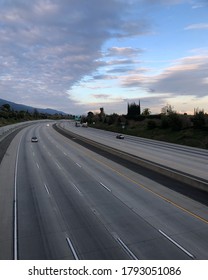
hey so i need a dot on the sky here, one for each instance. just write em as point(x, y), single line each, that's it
point(80, 55)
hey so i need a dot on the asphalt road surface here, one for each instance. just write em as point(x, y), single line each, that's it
point(193, 161)
point(61, 201)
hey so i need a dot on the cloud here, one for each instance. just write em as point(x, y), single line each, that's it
point(185, 78)
point(164, 2)
point(123, 51)
point(101, 96)
point(124, 59)
point(188, 76)
point(48, 46)
point(120, 65)
point(199, 4)
point(197, 26)
point(104, 77)
point(120, 70)
point(121, 62)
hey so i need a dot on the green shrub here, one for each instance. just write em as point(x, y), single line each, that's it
point(151, 124)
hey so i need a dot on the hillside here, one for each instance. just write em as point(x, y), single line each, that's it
point(21, 107)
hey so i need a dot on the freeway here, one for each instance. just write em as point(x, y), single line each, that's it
point(60, 200)
point(189, 160)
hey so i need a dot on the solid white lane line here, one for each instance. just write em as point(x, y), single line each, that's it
point(76, 188)
point(175, 243)
point(105, 187)
point(37, 165)
point(15, 241)
point(72, 248)
point(78, 164)
point(126, 248)
point(46, 189)
point(58, 165)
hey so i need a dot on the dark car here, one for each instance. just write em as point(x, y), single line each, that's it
point(34, 139)
point(119, 136)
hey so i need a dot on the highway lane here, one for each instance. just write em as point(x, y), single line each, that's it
point(51, 213)
point(189, 160)
point(112, 212)
point(73, 203)
point(148, 199)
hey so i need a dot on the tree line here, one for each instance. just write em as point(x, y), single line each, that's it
point(167, 119)
point(8, 115)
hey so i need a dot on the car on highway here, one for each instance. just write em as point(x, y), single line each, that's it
point(34, 139)
point(119, 136)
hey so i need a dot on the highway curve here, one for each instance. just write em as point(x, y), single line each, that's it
point(60, 200)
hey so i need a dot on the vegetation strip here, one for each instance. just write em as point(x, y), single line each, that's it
point(168, 126)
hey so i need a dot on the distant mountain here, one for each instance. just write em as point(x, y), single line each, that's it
point(21, 107)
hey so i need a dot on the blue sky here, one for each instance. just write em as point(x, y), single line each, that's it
point(80, 55)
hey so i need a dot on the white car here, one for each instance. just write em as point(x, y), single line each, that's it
point(119, 136)
point(34, 139)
